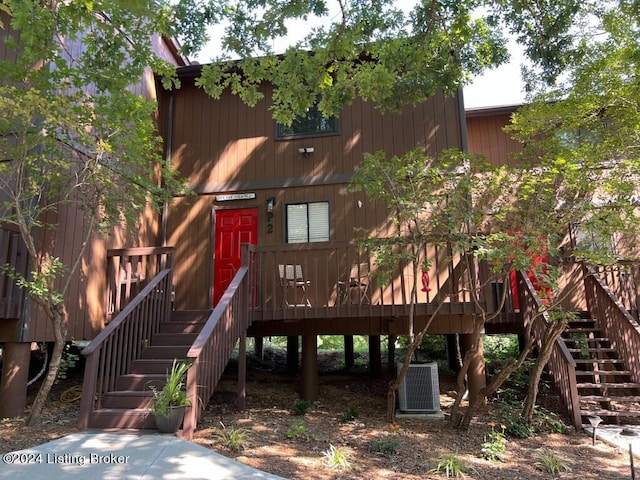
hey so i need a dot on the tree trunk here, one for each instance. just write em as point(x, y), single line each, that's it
point(57, 316)
point(551, 335)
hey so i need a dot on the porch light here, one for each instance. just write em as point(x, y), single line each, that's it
point(594, 420)
point(271, 202)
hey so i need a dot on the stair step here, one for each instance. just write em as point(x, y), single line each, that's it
point(607, 398)
point(610, 413)
point(165, 351)
point(141, 382)
point(175, 338)
point(586, 339)
point(181, 326)
point(128, 399)
point(602, 372)
point(190, 315)
point(136, 418)
point(609, 385)
point(598, 360)
point(593, 350)
point(582, 330)
point(151, 365)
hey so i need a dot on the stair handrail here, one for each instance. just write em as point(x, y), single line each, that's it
point(615, 321)
point(111, 352)
point(212, 348)
point(561, 364)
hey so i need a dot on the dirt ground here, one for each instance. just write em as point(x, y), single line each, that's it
point(350, 417)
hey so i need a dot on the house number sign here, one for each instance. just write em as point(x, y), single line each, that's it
point(235, 196)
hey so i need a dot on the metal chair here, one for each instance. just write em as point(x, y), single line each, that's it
point(291, 277)
point(358, 283)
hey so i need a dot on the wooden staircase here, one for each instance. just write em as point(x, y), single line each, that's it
point(129, 404)
point(603, 380)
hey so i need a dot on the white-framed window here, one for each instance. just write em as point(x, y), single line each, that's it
point(307, 222)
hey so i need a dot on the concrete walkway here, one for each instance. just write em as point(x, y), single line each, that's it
point(124, 456)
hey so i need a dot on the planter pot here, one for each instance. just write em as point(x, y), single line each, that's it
point(170, 423)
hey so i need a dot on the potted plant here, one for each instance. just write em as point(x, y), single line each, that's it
point(170, 401)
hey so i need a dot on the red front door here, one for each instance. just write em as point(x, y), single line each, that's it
point(233, 228)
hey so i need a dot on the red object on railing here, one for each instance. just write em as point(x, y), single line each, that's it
point(425, 281)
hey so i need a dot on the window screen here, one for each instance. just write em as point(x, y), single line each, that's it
point(308, 222)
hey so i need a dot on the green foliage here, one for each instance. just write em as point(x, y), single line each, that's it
point(552, 463)
point(384, 446)
point(498, 348)
point(299, 431)
point(543, 421)
point(172, 394)
point(495, 444)
point(233, 438)
point(337, 457)
point(350, 414)
point(300, 407)
point(451, 466)
point(67, 362)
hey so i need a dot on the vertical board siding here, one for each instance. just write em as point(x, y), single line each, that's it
point(224, 146)
point(485, 135)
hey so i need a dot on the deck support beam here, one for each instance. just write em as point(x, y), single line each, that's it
point(375, 358)
point(391, 355)
point(15, 375)
point(310, 368)
point(348, 351)
point(293, 344)
point(242, 372)
point(258, 347)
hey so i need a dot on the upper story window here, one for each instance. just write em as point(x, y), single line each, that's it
point(312, 123)
point(308, 222)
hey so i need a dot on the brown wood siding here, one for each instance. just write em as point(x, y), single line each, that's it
point(224, 146)
point(485, 135)
point(86, 293)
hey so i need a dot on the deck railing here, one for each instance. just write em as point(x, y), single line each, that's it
point(14, 256)
point(325, 269)
point(622, 280)
point(129, 270)
point(561, 364)
point(212, 348)
point(614, 320)
point(112, 350)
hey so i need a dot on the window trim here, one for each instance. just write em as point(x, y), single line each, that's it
point(289, 136)
point(307, 203)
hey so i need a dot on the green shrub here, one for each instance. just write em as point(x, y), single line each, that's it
point(300, 407)
point(337, 457)
point(298, 431)
point(384, 446)
point(494, 445)
point(351, 414)
point(233, 438)
point(451, 466)
point(552, 463)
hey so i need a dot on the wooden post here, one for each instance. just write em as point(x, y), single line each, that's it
point(310, 368)
point(375, 359)
point(242, 372)
point(391, 355)
point(15, 375)
point(258, 346)
point(348, 351)
point(292, 354)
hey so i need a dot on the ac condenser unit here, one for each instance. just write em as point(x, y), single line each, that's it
point(420, 388)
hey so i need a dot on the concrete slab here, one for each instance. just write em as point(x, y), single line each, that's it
point(124, 457)
point(612, 435)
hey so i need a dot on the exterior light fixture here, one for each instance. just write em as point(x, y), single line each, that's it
point(306, 150)
point(594, 420)
point(271, 202)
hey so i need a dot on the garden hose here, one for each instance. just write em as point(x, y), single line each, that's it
point(71, 394)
